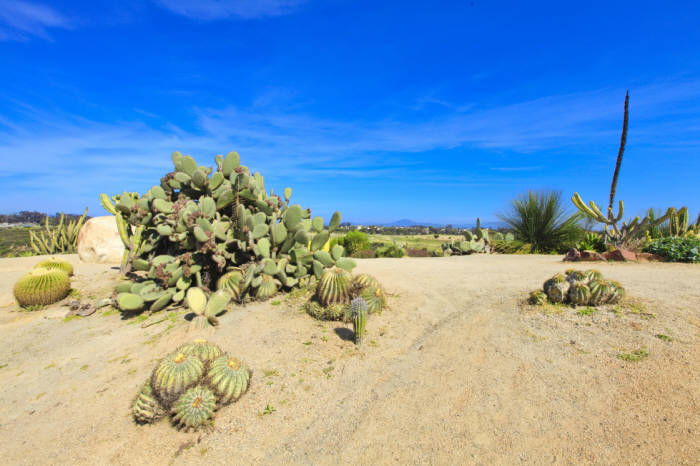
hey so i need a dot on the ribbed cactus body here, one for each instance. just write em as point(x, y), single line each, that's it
point(41, 287)
point(617, 292)
point(364, 280)
point(194, 408)
point(231, 281)
point(146, 408)
point(175, 374)
point(579, 294)
point(375, 299)
point(537, 297)
point(267, 287)
point(359, 319)
point(558, 292)
point(333, 287)
point(54, 263)
point(556, 279)
point(593, 274)
point(201, 349)
point(228, 377)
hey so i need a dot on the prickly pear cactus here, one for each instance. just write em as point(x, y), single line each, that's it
point(228, 377)
point(201, 223)
point(359, 318)
point(194, 408)
point(41, 287)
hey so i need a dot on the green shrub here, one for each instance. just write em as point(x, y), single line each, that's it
point(354, 241)
point(676, 249)
point(391, 250)
point(541, 220)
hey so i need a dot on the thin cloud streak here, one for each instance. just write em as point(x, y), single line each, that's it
point(21, 19)
point(69, 151)
point(224, 9)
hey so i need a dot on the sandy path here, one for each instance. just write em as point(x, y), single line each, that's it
point(455, 372)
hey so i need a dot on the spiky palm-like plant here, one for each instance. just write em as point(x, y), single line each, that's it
point(541, 220)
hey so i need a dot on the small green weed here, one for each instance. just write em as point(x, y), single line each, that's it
point(663, 337)
point(270, 373)
point(634, 356)
point(269, 409)
point(276, 302)
point(587, 311)
point(73, 317)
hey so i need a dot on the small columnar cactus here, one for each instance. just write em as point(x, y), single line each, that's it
point(229, 378)
point(202, 349)
point(194, 408)
point(174, 374)
point(359, 319)
point(41, 287)
point(146, 408)
point(54, 263)
point(333, 287)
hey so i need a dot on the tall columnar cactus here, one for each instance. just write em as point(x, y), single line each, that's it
point(220, 228)
point(359, 319)
point(41, 287)
point(61, 239)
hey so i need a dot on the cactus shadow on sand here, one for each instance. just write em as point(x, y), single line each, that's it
point(345, 333)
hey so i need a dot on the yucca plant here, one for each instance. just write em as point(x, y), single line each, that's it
point(541, 220)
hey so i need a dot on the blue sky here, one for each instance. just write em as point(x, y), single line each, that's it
point(433, 111)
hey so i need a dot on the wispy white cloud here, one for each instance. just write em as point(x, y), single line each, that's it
point(21, 19)
point(72, 155)
point(222, 9)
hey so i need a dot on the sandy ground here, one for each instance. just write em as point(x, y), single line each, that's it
point(457, 371)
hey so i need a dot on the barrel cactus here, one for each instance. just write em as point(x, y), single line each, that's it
point(333, 287)
point(146, 408)
point(579, 294)
point(374, 299)
point(194, 408)
point(558, 289)
point(537, 297)
point(359, 319)
point(175, 374)
point(201, 349)
point(231, 281)
point(54, 263)
point(617, 292)
point(364, 280)
point(228, 378)
point(41, 287)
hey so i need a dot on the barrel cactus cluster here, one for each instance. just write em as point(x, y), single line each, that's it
point(479, 241)
point(579, 288)
point(217, 230)
point(47, 283)
point(190, 384)
point(335, 291)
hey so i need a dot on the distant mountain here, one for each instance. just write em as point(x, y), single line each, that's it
point(405, 222)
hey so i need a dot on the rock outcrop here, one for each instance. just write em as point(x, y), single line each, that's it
point(99, 241)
